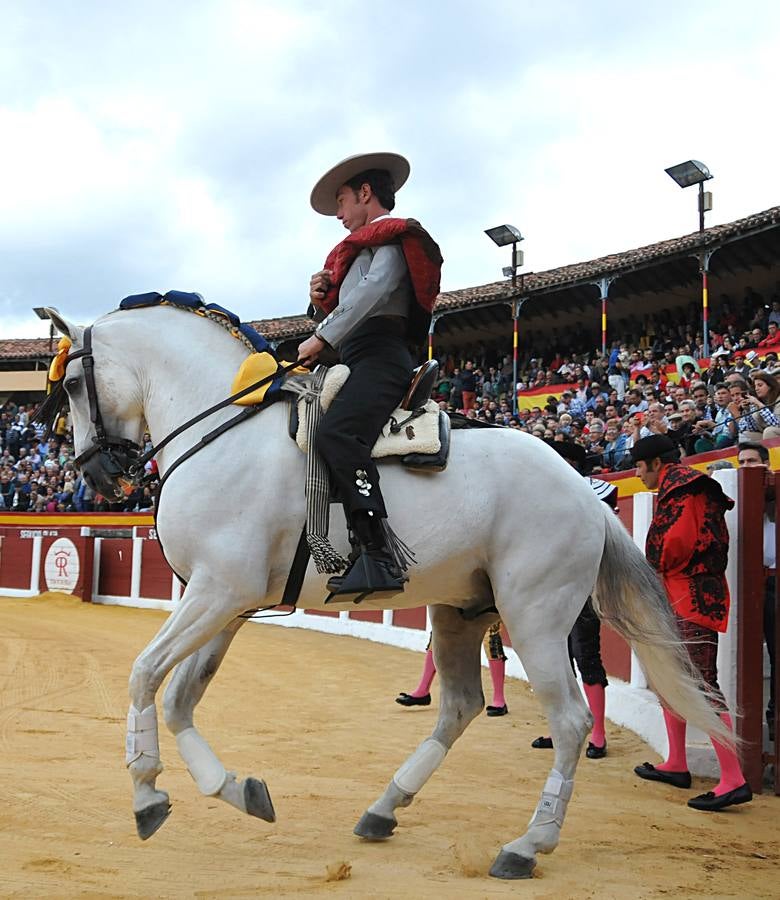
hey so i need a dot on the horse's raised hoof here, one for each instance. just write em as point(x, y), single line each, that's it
point(372, 827)
point(512, 865)
point(258, 800)
point(148, 820)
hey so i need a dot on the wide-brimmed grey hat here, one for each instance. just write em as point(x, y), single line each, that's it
point(323, 196)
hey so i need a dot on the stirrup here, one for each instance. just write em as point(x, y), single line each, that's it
point(373, 572)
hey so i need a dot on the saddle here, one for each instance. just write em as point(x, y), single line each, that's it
point(417, 432)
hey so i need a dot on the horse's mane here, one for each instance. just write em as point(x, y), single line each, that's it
point(219, 319)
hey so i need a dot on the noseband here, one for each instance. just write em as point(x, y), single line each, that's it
point(119, 455)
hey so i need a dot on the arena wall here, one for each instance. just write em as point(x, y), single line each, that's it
point(120, 562)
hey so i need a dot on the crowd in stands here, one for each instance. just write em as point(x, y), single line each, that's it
point(37, 474)
point(603, 401)
point(656, 381)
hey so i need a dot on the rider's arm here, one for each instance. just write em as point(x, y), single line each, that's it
point(375, 288)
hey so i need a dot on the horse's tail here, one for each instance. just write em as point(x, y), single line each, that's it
point(631, 599)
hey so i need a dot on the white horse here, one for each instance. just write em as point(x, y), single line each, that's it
point(508, 524)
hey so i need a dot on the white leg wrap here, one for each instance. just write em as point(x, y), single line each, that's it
point(207, 771)
point(425, 760)
point(141, 734)
point(556, 794)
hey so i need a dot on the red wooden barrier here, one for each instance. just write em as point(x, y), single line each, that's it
point(750, 651)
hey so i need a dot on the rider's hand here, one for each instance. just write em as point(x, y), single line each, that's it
point(310, 349)
point(318, 286)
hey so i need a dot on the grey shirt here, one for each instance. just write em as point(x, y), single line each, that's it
point(377, 284)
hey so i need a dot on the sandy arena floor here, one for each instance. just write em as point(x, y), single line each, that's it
point(314, 715)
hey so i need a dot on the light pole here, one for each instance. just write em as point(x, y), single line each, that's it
point(502, 236)
point(686, 174)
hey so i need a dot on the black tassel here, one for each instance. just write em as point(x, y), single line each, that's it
point(51, 407)
point(402, 555)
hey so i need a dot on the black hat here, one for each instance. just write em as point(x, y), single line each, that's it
point(569, 450)
point(652, 447)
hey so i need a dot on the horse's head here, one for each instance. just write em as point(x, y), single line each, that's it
point(105, 401)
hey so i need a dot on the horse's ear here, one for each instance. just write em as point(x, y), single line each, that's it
point(74, 332)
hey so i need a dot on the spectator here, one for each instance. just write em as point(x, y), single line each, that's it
point(751, 415)
point(615, 449)
point(468, 382)
point(772, 340)
point(766, 393)
point(719, 431)
point(636, 402)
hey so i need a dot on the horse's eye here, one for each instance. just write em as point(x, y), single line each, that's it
point(71, 384)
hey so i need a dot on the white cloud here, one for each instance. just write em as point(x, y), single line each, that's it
point(151, 147)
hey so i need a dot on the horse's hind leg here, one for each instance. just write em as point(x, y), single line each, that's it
point(456, 652)
point(189, 682)
point(546, 661)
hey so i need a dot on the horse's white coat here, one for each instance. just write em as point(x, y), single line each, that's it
point(508, 522)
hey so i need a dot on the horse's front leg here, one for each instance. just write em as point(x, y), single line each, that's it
point(198, 617)
point(188, 684)
point(456, 652)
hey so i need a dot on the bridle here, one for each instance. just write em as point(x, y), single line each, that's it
point(119, 454)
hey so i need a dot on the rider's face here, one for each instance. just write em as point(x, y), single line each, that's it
point(352, 212)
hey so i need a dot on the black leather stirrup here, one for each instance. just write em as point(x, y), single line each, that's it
point(372, 572)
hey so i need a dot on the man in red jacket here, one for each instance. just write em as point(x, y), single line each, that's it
point(688, 545)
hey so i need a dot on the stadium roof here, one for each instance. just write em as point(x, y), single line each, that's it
point(740, 245)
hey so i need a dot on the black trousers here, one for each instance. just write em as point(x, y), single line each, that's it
point(585, 646)
point(380, 371)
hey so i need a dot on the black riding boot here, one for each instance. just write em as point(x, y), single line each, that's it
point(373, 567)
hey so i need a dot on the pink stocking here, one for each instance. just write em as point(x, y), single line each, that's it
point(429, 670)
point(731, 776)
point(596, 702)
point(677, 759)
point(497, 667)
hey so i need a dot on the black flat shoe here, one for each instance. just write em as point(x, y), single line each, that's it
point(677, 779)
point(497, 710)
point(594, 752)
point(542, 743)
point(409, 700)
point(711, 802)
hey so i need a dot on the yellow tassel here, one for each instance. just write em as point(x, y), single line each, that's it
point(57, 367)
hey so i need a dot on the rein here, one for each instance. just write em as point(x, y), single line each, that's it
point(244, 414)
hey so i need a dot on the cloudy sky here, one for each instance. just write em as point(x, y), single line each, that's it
point(148, 145)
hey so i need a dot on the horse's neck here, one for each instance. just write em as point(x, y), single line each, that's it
point(186, 364)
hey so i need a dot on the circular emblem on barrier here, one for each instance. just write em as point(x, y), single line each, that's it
point(61, 566)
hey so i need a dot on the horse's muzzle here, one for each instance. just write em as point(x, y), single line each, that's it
point(104, 469)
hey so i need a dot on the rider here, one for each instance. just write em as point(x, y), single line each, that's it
point(374, 295)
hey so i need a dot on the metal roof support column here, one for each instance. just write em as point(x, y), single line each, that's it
point(603, 285)
point(704, 268)
point(515, 306)
point(431, 329)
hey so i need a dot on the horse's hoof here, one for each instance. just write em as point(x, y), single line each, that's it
point(258, 800)
point(374, 828)
point(512, 865)
point(148, 820)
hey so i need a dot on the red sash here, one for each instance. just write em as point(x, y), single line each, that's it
point(421, 252)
